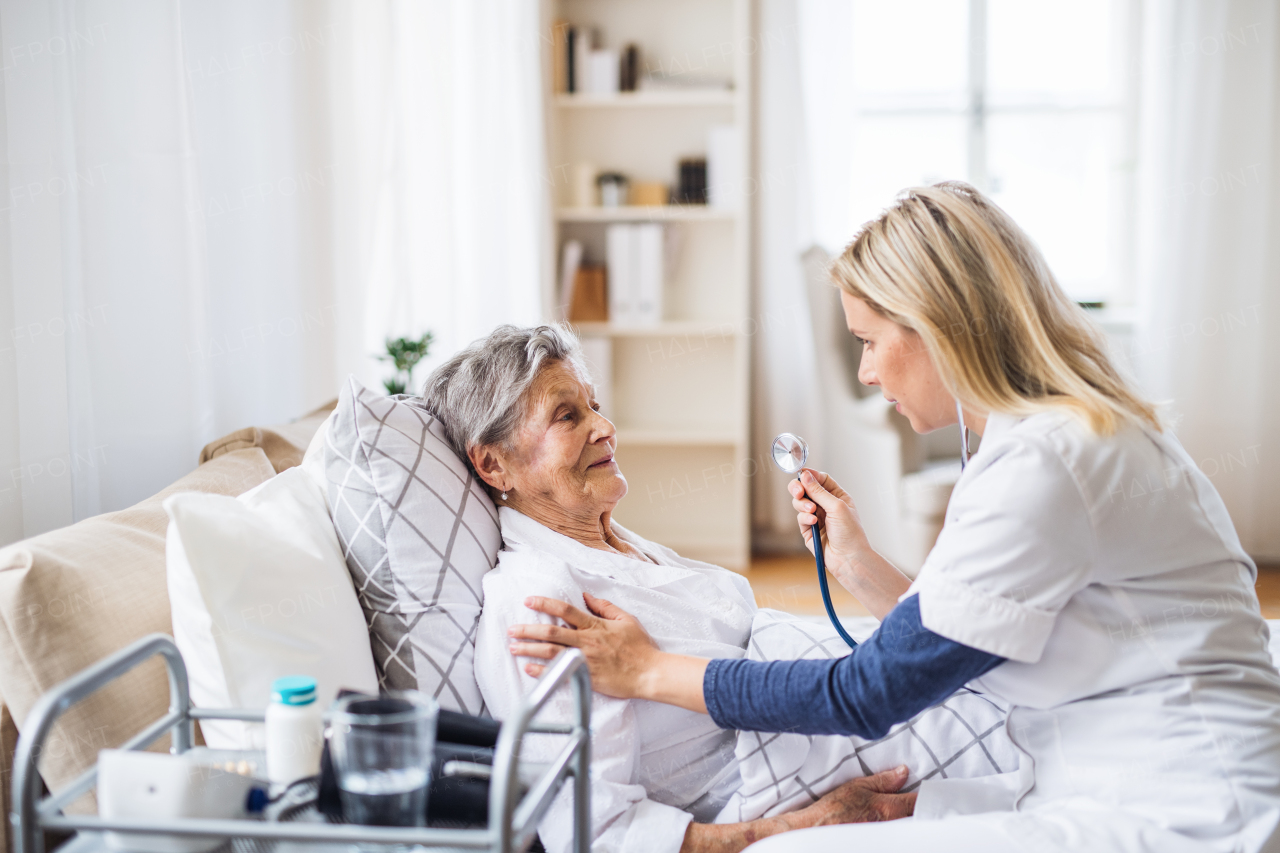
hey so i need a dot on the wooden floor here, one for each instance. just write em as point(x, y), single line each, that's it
point(791, 584)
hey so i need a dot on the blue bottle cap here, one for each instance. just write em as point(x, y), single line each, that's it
point(294, 690)
point(256, 801)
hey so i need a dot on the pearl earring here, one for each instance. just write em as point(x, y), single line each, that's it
point(504, 496)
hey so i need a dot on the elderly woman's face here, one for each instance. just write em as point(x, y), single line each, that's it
point(563, 452)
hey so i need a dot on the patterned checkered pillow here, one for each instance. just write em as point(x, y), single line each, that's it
point(963, 737)
point(418, 533)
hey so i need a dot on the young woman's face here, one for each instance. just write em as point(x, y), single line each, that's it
point(894, 359)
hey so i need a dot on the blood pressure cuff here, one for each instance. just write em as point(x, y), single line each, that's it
point(900, 671)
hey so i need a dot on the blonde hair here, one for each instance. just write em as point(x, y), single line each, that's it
point(947, 263)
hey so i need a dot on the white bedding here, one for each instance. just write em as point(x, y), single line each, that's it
point(653, 766)
point(962, 738)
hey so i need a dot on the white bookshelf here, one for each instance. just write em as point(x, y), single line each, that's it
point(630, 100)
point(679, 389)
point(677, 438)
point(648, 213)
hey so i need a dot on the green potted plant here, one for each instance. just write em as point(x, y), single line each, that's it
point(404, 354)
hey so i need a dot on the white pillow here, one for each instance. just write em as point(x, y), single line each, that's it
point(313, 459)
point(259, 589)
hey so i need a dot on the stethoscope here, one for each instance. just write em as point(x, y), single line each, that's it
point(790, 452)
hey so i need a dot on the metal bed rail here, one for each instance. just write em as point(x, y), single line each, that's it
point(513, 817)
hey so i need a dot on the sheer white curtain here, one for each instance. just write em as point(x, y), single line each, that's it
point(442, 210)
point(786, 394)
point(212, 211)
point(1209, 255)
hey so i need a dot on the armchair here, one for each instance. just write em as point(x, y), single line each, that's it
point(900, 481)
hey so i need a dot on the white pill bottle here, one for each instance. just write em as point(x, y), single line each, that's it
point(295, 730)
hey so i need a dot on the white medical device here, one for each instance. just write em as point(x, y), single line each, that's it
point(198, 783)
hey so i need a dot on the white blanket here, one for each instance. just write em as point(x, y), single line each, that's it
point(964, 737)
point(653, 766)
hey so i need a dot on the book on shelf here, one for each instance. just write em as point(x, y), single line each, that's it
point(589, 302)
point(636, 262)
point(578, 47)
point(630, 71)
point(579, 66)
point(560, 56)
point(692, 188)
point(570, 50)
point(570, 260)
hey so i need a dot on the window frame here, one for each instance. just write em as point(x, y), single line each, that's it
point(977, 108)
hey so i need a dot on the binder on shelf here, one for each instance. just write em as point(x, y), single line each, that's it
point(598, 353)
point(648, 273)
point(603, 72)
point(637, 272)
point(618, 245)
point(724, 168)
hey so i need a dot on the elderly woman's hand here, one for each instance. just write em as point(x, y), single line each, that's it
point(865, 799)
point(623, 659)
point(868, 798)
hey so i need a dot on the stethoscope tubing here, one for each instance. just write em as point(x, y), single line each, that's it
point(821, 560)
point(826, 591)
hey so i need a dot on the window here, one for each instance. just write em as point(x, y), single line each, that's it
point(1029, 100)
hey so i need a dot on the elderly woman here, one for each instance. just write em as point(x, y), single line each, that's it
point(520, 406)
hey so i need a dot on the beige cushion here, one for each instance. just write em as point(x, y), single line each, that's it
point(70, 597)
point(284, 445)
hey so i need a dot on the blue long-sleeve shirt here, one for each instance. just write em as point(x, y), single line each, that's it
point(901, 670)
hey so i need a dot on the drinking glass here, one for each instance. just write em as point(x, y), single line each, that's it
point(382, 751)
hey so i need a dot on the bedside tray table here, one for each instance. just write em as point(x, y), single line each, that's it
point(292, 823)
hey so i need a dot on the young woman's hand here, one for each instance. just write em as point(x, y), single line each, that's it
point(623, 659)
point(818, 499)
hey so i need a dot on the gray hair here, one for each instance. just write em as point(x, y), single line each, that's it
point(481, 393)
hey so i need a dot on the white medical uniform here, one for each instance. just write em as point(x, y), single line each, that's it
point(1107, 571)
point(654, 767)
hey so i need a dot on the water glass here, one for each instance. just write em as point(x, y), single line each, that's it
point(382, 750)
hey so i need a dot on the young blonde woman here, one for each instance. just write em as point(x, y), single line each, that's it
point(1088, 574)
